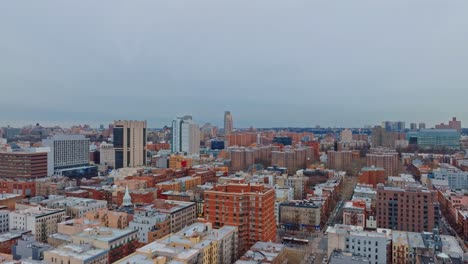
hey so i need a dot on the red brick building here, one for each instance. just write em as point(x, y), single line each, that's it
point(372, 176)
point(23, 165)
point(24, 188)
point(413, 209)
point(250, 207)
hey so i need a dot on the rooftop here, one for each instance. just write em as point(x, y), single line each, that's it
point(105, 234)
point(4, 196)
point(82, 252)
point(261, 252)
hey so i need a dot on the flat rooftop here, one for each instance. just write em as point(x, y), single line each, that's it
point(82, 252)
point(105, 234)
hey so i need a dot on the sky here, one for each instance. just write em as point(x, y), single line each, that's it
point(271, 63)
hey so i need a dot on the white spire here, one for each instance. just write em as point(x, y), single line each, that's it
point(127, 199)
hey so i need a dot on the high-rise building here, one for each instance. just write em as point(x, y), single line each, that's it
point(413, 208)
point(413, 126)
point(422, 125)
point(129, 143)
point(67, 151)
point(250, 207)
point(339, 160)
point(185, 136)
point(228, 123)
point(107, 154)
point(387, 159)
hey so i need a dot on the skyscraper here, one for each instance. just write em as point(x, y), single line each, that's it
point(129, 143)
point(185, 136)
point(228, 125)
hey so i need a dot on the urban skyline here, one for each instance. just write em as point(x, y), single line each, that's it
point(330, 64)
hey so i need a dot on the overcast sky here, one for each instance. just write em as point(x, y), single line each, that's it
point(271, 63)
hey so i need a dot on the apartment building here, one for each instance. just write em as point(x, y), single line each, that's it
point(181, 214)
point(42, 222)
point(76, 207)
point(119, 242)
point(413, 208)
point(76, 254)
point(150, 224)
point(250, 207)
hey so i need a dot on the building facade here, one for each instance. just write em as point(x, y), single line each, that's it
point(129, 143)
point(185, 136)
point(250, 207)
point(67, 151)
point(413, 208)
point(23, 165)
point(40, 221)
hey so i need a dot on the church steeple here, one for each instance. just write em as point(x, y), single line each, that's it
point(127, 199)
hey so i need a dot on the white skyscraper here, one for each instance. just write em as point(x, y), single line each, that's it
point(67, 151)
point(185, 136)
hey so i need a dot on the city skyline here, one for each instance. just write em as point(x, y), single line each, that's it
point(282, 64)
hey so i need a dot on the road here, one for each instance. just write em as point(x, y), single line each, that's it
point(446, 229)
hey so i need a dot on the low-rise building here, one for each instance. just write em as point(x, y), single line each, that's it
point(28, 248)
point(354, 213)
point(181, 214)
point(400, 181)
point(300, 215)
point(8, 239)
point(150, 224)
point(119, 242)
point(9, 200)
point(265, 252)
point(197, 243)
point(112, 219)
point(77, 207)
point(76, 254)
point(375, 245)
point(42, 222)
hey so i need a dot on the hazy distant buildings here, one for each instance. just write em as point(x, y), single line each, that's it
point(185, 136)
point(422, 125)
point(391, 126)
point(452, 124)
point(435, 138)
point(346, 135)
point(228, 123)
point(129, 143)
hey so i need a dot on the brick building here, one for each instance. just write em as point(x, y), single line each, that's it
point(248, 207)
point(23, 165)
point(384, 158)
point(413, 208)
point(22, 187)
point(339, 160)
point(372, 176)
